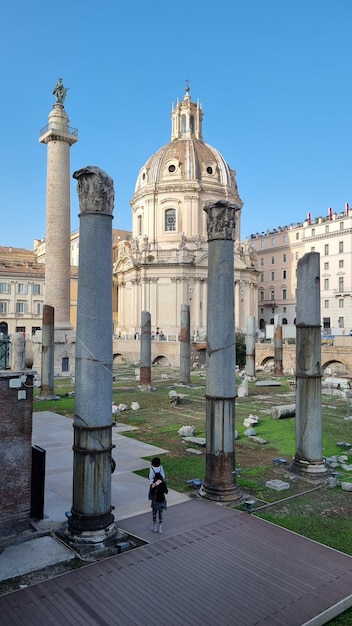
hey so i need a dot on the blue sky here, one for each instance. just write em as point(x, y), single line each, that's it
point(273, 76)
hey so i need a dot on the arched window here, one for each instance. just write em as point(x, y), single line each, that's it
point(262, 324)
point(272, 320)
point(192, 124)
point(183, 124)
point(170, 219)
point(139, 225)
point(284, 320)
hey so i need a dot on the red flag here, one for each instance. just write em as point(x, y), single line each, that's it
point(330, 213)
point(309, 218)
point(347, 208)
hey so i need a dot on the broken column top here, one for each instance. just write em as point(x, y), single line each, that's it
point(95, 190)
point(221, 221)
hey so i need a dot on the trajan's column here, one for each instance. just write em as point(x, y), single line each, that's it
point(59, 138)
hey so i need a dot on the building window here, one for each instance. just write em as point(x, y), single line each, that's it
point(313, 232)
point(272, 319)
point(21, 329)
point(139, 225)
point(341, 263)
point(340, 247)
point(272, 260)
point(341, 303)
point(285, 238)
point(284, 320)
point(261, 296)
point(272, 295)
point(284, 274)
point(183, 124)
point(192, 124)
point(326, 283)
point(262, 277)
point(326, 322)
point(261, 262)
point(4, 288)
point(262, 243)
point(34, 329)
point(37, 306)
point(341, 322)
point(326, 304)
point(21, 307)
point(326, 265)
point(65, 367)
point(262, 311)
point(296, 256)
point(297, 235)
point(284, 258)
point(312, 249)
point(341, 284)
point(284, 294)
point(326, 249)
point(341, 225)
point(170, 220)
point(326, 229)
point(3, 307)
point(36, 289)
point(272, 275)
point(21, 288)
point(273, 241)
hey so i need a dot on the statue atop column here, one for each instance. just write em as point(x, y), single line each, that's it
point(60, 91)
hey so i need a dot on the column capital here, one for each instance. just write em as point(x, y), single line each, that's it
point(221, 222)
point(95, 190)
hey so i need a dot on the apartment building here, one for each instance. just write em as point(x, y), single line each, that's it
point(22, 291)
point(278, 252)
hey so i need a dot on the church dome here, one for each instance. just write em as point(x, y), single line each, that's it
point(186, 158)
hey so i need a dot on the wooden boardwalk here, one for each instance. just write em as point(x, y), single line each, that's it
point(211, 566)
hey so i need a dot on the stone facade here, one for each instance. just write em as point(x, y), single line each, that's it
point(165, 263)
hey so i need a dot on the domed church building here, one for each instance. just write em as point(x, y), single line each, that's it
point(165, 263)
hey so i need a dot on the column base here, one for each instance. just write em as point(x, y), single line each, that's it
point(94, 538)
point(232, 493)
point(313, 469)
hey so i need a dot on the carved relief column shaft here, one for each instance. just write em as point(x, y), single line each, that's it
point(91, 513)
point(220, 483)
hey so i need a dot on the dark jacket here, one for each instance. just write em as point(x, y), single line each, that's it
point(158, 491)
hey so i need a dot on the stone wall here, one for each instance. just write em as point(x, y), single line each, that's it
point(16, 406)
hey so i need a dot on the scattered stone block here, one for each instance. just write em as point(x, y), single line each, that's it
point(135, 406)
point(123, 407)
point(283, 411)
point(279, 461)
point(250, 432)
point(258, 439)
point(250, 421)
point(174, 397)
point(347, 468)
point(277, 485)
point(186, 431)
point(268, 383)
point(199, 441)
point(346, 486)
point(194, 451)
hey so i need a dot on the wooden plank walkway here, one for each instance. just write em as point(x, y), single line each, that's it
point(211, 566)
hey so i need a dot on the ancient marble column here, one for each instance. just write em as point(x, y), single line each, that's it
point(250, 348)
point(220, 482)
point(278, 369)
point(91, 514)
point(145, 369)
point(185, 345)
point(59, 137)
point(47, 391)
point(308, 458)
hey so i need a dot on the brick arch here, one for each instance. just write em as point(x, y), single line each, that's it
point(333, 361)
point(161, 360)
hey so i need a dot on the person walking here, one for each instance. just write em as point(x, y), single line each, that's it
point(158, 490)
